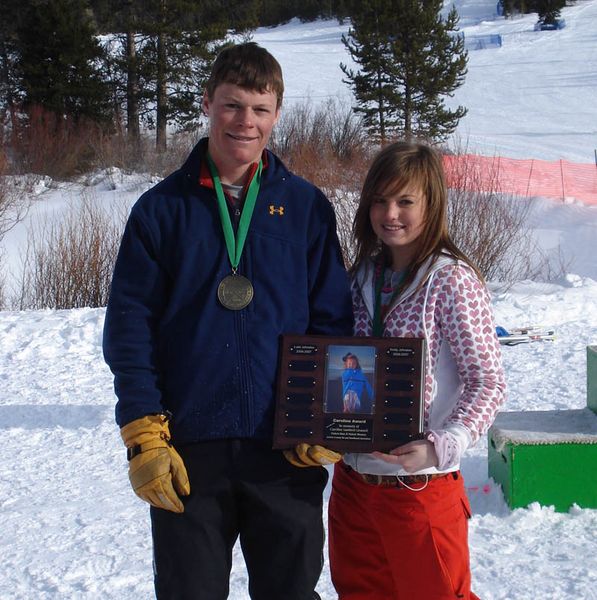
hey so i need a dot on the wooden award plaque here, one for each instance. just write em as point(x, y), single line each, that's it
point(349, 394)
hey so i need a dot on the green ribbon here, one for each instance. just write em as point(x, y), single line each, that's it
point(235, 245)
point(377, 326)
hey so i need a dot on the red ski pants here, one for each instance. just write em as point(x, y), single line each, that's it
point(389, 543)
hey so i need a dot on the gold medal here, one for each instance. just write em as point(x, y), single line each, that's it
point(235, 292)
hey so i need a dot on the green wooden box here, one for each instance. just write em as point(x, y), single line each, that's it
point(549, 457)
point(592, 378)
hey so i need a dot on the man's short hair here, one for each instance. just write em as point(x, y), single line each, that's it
point(249, 66)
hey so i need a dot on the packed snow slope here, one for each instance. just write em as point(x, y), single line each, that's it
point(533, 97)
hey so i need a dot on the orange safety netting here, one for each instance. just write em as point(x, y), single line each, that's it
point(553, 179)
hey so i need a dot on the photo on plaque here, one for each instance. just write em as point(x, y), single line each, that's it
point(350, 380)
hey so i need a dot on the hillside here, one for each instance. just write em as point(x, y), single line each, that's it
point(532, 98)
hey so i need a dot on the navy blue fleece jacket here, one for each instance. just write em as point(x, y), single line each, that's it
point(169, 342)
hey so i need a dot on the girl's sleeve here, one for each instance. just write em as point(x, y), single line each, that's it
point(467, 325)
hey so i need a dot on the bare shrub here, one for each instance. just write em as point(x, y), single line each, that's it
point(293, 130)
point(13, 199)
point(69, 261)
point(329, 131)
point(487, 228)
point(119, 151)
point(2, 285)
point(341, 181)
point(345, 203)
point(42, 142)
point(165, 162)
point(50, 144)
point(14, 204)
point(491, 227)
point(328, 146)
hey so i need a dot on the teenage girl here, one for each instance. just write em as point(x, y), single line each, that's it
point(398, 521)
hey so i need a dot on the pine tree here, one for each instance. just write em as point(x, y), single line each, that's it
point(60, 61)
point(409, 59)
point(166, 48)
point(549, 11)
point(181, 57)
point(8, 57)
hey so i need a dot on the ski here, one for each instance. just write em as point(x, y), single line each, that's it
point(524, 335)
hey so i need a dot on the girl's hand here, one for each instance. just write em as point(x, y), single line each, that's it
point(412, 457)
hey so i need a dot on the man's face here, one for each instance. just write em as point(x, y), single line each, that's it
point(240, 125)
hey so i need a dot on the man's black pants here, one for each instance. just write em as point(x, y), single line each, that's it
point(241, 488)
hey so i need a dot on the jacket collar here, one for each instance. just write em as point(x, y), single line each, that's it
point(365, 273)
point(196, 169)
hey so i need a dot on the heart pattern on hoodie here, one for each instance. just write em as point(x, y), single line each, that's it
point(452, 307)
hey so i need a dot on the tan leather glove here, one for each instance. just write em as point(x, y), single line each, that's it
point(305, 455)
point(156, 470)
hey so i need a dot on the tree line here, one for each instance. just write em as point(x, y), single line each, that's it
point(548, 11)
point(142, 65)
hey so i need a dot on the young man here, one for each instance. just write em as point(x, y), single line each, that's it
point(217, 261)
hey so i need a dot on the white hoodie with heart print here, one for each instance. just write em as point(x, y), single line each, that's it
point(465, 384)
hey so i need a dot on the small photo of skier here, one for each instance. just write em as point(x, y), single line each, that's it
point(350, 376)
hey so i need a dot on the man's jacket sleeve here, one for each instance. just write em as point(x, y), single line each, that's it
point(137, 297)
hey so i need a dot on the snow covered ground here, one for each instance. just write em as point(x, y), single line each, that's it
point(71, 526)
